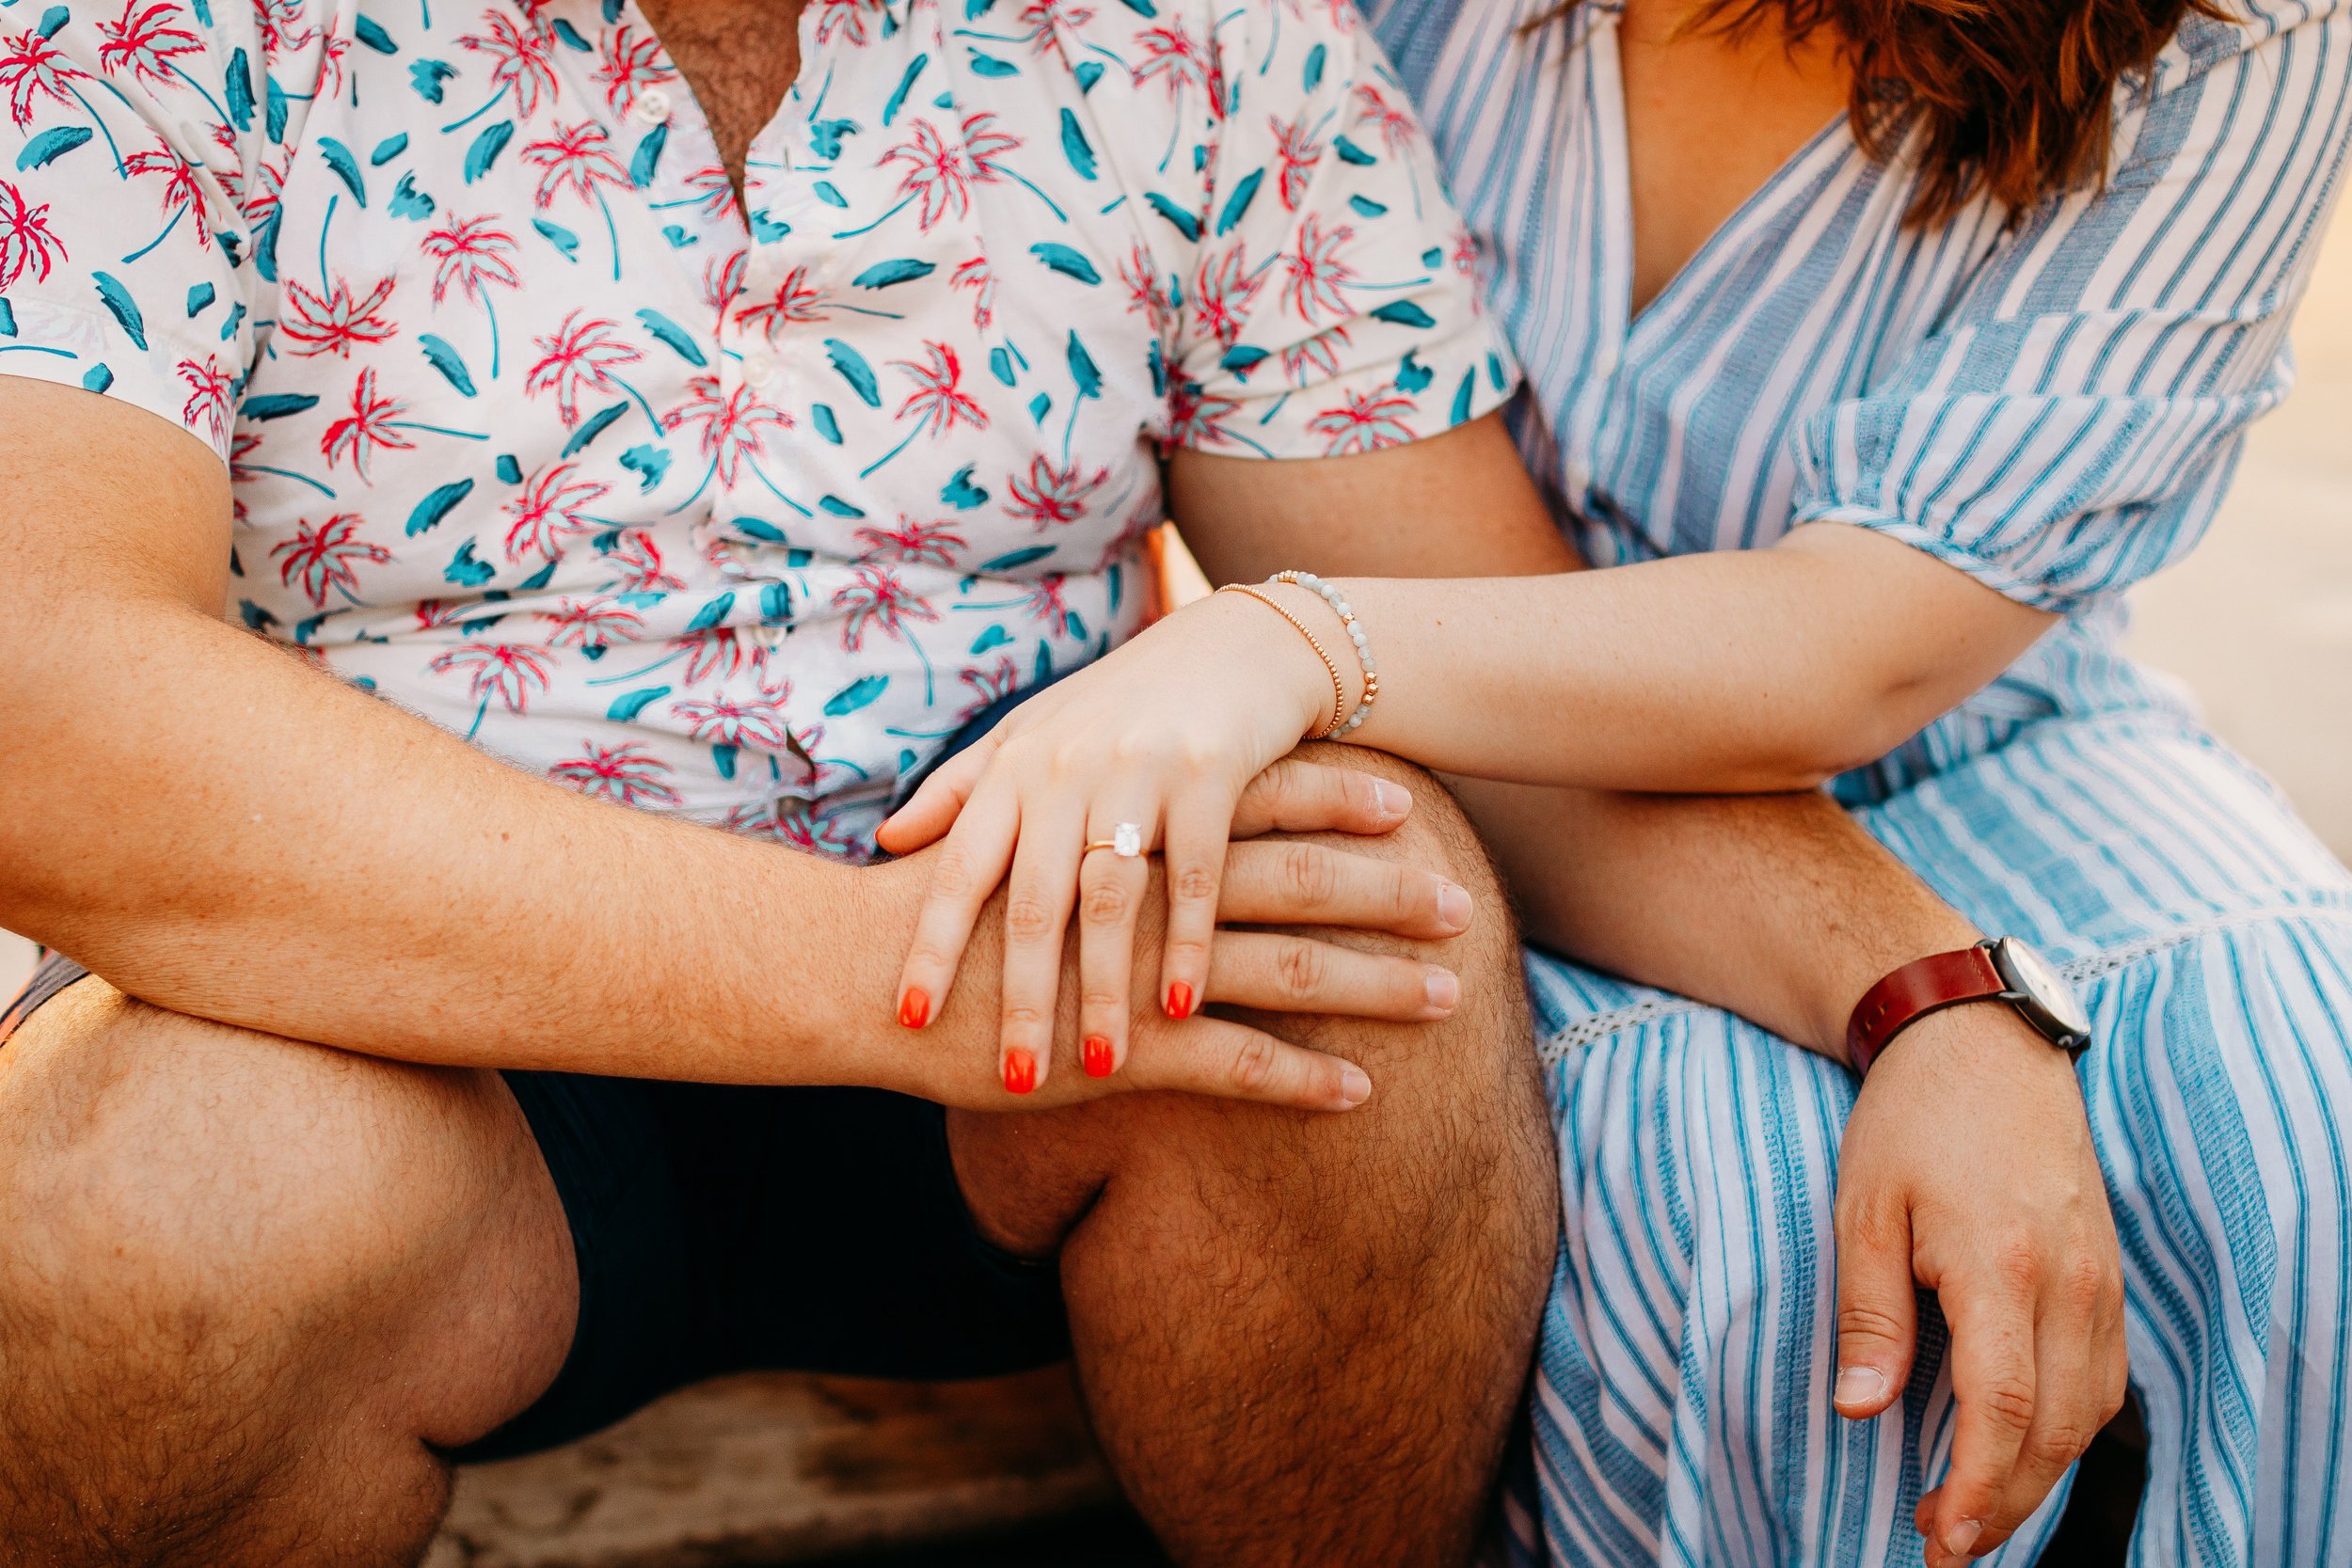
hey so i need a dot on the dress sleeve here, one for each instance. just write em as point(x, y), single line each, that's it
point(2073, 424)
point(133, 148)
point(1334, 303)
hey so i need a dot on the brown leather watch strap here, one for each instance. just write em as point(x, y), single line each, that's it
point(1912, 993)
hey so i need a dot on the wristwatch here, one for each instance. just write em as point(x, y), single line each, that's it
point(2002, 969)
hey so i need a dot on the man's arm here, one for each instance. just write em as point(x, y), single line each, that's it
point(1967, 1163)
point(220, 829)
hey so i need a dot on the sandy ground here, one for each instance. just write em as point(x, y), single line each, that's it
point(2259, 621)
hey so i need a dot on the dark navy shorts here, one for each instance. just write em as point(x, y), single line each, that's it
point(721, 1229)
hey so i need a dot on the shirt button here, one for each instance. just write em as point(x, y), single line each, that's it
point(653, 107)
point(758, 370)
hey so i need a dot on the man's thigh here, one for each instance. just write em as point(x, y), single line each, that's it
point(281, 1220)
point(1466, 1087)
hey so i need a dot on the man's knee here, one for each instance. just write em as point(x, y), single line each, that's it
point(190, 1207)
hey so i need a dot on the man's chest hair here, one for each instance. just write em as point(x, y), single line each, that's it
point(739, 58)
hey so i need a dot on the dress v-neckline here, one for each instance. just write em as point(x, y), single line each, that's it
point(1608, 76)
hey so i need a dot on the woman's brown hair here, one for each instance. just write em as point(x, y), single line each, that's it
point(2017, 95)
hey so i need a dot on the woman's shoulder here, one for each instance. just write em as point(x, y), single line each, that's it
point(2243, 27)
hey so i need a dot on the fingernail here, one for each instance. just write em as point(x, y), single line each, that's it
point(1097, 1054)
point(1180, 1000)
point(1961, 1536)
point(1444, 989)
point(1355, 1086)
point(1393, 799)
point(1454, 906)
point(1020, 1072)
point(915, 1007)
point(1860, 1386)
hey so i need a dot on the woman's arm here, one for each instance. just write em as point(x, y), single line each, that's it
point(1776, 906)
point(1733, 671)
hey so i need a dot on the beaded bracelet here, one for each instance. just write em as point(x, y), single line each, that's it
point(1339, 687)
point(1355, 635)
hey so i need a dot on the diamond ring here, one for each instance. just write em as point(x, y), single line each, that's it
point(1127, 841)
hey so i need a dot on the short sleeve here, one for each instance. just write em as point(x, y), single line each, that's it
point(1334, 303)
point(132, 148)
point(2072, 426)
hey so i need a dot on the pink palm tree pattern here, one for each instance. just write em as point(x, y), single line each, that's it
point(339, 322)
point(182, 196)
point(144, 42)
point(592, 623)
point(369, 427)
point(979, 277)
point(911, 544)
point(210, 391)
point(33, 67)
point(1317, 278)
point(1367, 421)
point(632, 62)
point(26, 244)
point(471, 254)
point(939, 404)
point(939, 174)
point(324, 557)
point(878, 600)
point(1174, 60)
point(502, 672)
point(796, 302)
point(576, 158)
point(579, 356)
point(548, 511)
point(756, 723)
point(523, 65)
point(622, 775)
point(729, 508)
point(730, 423)
point(1048, 496)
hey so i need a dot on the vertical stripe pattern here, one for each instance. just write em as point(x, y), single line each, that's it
point(2053, 404)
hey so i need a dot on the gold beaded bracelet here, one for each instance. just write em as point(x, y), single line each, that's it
point(1339, 687)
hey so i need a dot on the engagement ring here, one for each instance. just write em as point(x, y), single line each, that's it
point(1127, 841)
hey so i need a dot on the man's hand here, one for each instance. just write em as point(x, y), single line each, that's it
point(1968, 1167)
point(1265, 882)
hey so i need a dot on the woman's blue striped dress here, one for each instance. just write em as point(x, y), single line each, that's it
point(2055, 407)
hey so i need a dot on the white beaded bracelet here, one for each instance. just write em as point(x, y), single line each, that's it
point(1355, 636)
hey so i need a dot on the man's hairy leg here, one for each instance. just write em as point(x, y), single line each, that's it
point(247, 1287)
point(1303, 1338)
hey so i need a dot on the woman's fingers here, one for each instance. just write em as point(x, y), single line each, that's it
point(1037, 898)
point(936, 805)
point(1231, 1061)
point(1111, 890)
point(964, 873)
point(1294, 797)
point(1286, 883)
point(1197, 822)
point(1281, 974)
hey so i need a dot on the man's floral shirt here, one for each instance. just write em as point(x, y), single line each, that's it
point(536, 430)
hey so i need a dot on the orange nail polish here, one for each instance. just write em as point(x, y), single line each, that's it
point(915, 1007)
point(1180, 1000)
point(1020, 1072)
point(1097, 1051)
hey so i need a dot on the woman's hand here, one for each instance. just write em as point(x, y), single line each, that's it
point(1968, 1167)
point(1173, 734)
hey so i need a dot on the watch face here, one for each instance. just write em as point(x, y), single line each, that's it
point(2048, 999)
